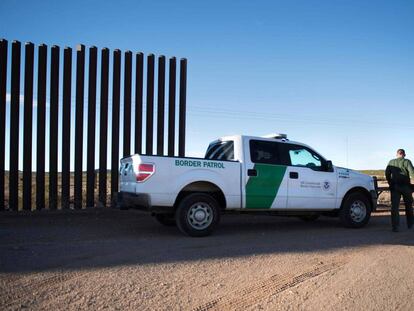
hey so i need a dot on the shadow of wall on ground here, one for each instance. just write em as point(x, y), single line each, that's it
point(72, 240)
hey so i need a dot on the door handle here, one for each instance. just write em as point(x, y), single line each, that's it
point(251, 172)
point(294, 175)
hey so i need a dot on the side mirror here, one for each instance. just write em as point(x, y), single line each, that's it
point(329, 166)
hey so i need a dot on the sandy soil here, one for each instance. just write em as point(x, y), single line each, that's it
point(125, 260)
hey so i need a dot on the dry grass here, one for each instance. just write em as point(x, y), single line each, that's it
point(380, 174)
point(59, 187)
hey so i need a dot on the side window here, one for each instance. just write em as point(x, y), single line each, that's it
point(264, 152)
point(223, 150)
point(302, 156)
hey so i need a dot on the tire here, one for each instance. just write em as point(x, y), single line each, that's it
point(197, 215)
point(166, 219)
point(355, 211)
point(308, 218)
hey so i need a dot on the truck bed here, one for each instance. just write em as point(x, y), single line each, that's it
point(173, 174)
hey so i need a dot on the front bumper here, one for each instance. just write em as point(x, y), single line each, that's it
point(374, 200)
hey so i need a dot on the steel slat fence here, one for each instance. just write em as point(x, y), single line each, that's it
point(33, 175)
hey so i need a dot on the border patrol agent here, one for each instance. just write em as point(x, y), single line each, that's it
point(398, 174)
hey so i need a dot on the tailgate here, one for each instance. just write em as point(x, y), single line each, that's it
point(127, 177)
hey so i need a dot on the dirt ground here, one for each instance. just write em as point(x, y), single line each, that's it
point(108, 259)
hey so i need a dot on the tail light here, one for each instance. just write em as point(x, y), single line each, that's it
point(145, 171)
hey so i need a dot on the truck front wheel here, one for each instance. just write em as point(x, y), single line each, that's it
point(197, 214)
point(355, 211)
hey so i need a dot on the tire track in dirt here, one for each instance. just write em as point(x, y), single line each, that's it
point(248, 296)
point(18, 293)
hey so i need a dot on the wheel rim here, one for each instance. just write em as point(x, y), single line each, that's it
point(200, 215)
point(358, 211)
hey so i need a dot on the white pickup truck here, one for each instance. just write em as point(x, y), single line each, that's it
point(245, 174)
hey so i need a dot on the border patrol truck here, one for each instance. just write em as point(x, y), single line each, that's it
point(245, 174)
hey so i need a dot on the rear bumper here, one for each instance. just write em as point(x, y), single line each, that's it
point(374, 200)
point(127, 200)
point(140, 201)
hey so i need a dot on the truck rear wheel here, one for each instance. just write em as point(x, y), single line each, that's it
point(197, 215)
point(166, 219)
point(355, 211)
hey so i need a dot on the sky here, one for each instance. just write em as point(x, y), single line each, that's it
point(336, 75)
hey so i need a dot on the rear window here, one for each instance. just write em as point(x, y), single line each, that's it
point(266, 152)
point(223, 150)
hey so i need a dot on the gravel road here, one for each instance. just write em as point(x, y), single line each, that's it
point(109, 259)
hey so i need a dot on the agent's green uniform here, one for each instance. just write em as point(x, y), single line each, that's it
point(398, 174)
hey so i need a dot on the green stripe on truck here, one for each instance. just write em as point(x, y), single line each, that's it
point(262, 189)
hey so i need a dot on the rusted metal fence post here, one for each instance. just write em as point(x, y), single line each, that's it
point(103, 132)
point(161, 105)
point(80, 88)
point(3, 84)
point(90, 178)
point(41, 127)
point(183, 107)
point(171, 107)
point(127, 104)
point(115, 123)
point(139, 82)
point(53, 129)
point(14, 127)
point(66, 111)
point(150, 105)
point(28, 126)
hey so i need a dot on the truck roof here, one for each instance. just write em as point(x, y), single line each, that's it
point(278, 139)
point(267, 138)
